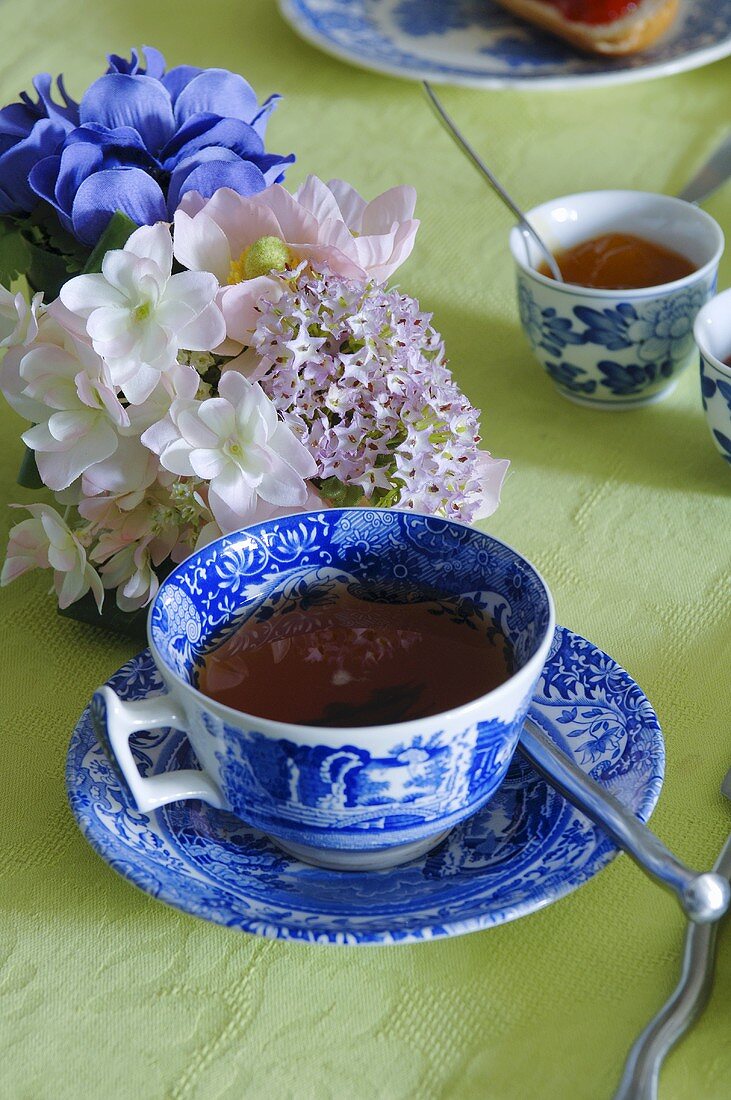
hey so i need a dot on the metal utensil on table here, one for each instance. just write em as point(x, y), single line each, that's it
point(684, 1006)
point(713, 173)
point(703, 896)
point(526, 228)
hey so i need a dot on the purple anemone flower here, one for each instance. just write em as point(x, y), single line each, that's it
point(146, 136)
point(29, 132)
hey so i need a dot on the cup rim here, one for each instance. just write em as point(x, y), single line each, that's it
point(635, 293)
point(700, 336)
point(324, 734)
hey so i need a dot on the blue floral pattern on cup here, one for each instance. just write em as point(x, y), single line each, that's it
point(525, 848)
point(357, 791)
point(716, 397)
point(650, 340)
point(543, 327)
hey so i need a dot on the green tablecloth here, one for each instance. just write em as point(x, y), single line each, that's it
point(104, 992)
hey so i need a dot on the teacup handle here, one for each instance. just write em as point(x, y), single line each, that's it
point(114, 721)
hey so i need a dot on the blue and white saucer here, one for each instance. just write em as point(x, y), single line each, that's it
point(476, 42)
point(526, 848)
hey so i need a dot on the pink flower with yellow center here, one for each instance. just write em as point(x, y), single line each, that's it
point(244, 240)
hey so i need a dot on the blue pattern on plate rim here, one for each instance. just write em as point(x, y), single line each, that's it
point(655, 335)
point(474, 41)
point(526, 848)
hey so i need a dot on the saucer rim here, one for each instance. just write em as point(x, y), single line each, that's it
point(374, 935)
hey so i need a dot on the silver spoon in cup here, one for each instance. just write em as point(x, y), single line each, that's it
point(527, 229)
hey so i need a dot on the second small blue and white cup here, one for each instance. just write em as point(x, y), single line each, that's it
point(616, 349)
point(354, 798)
point(713, 336)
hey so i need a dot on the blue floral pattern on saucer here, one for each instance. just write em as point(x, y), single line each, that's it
point(526, 848)
point(478, 43)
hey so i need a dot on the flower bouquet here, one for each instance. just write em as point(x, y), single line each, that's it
point(199, 348)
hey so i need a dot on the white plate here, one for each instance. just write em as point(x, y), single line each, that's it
point(475, 42)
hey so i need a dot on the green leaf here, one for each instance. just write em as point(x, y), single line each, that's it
point(46, 230)
point(130, 623)
point(118, 231)
point(28, 475)
point(47, 271)
point(338, 494)
point(14, 253)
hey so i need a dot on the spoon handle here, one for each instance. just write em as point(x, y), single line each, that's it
point(703, 897)
point(709, 178)
point(685, 1005)
point(526, 227)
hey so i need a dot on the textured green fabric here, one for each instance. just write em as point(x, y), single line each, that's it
point(104, 992)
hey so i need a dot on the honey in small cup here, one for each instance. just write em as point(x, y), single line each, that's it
point(619, 261)
point(616, 347)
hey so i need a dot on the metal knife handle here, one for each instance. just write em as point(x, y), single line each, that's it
point(704, 897)
point(714, 172)
point(686, 1003)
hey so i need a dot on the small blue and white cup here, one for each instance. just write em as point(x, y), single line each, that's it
point(713, 337)
point(616, 349)
point(352, 798)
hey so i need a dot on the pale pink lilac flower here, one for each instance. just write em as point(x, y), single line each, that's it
point(240, 239)
point(46, 542)
point(77, 412)
point(38, 327)
point(138, 315)
point(130, 571)
point(18, 318)
point(252, 462)
point(124, 475)
point(372, 397)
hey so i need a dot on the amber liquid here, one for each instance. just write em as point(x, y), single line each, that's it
point(619, 261)
point(355, 663)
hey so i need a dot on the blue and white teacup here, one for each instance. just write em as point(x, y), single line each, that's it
point(713, 336)
point(353, 798)
point(616, 349)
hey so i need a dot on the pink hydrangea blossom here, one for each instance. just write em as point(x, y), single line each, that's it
point(18, 318)
point(130, 571)
point(372, 397)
